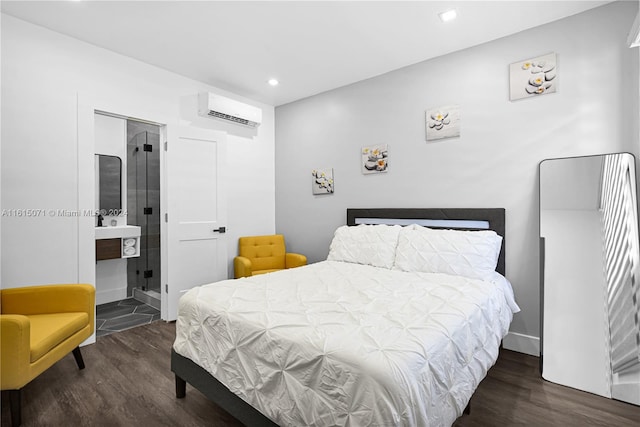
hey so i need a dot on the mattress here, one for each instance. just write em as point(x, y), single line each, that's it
point(336, 343)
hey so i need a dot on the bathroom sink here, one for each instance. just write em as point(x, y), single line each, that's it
point(119, 231)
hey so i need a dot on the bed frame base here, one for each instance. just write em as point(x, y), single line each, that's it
point(186, 371)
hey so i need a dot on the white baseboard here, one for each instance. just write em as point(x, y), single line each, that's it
point(522, 343)
point(90, 340)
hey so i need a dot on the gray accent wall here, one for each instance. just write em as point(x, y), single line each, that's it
point(494, 161)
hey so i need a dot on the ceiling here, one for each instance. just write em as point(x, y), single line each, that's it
point(309, 46)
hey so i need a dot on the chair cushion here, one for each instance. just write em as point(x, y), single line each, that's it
point(49, 330)
point(265, 252)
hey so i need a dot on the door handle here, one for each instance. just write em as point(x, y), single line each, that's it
point(220, 230)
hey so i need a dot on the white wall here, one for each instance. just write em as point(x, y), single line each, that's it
point(576, 353)
point(494, 163)
point(580, 178)
point(43, 75)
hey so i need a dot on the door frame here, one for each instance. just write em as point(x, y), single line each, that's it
point(87, 107)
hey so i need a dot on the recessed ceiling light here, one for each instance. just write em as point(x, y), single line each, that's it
point(449, 15)
point(273, 82)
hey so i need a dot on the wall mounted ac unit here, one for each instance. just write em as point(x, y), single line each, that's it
point(220, 107)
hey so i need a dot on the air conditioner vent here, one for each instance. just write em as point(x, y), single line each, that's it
point(230, 110)
point(223, 116)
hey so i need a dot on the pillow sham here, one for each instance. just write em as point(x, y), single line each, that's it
point(365, 244)
point(472, 254)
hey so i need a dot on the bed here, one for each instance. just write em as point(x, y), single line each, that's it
point(397, 327)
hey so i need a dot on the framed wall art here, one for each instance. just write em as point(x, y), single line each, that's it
point(443, 122)
point(375, 159)
point(322, 181)
point(533, 77)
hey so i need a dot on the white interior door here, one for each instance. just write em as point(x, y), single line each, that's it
point(196, 207)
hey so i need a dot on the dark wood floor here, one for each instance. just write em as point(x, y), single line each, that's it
point(128, 382)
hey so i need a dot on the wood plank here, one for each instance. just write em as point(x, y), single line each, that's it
point(514, 393)
point(108, 249)
point(128, 382)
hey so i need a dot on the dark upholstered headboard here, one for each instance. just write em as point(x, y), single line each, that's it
point(454, 218)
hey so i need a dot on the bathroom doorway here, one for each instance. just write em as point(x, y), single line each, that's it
point(143, 205)
point(127, 280)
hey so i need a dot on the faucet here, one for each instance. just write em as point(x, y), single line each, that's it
point(100, 218)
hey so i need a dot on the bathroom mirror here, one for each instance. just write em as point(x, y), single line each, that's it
point(589, 272)
point(109, 183)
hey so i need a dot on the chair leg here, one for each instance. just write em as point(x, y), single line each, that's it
point(16, 407)
point(78, 356)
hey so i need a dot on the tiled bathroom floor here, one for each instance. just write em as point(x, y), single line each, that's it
point(120, 315)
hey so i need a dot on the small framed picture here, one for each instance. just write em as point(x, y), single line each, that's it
point(533, 77)
point(443, 122)
point(322, 181)
point(375, 159)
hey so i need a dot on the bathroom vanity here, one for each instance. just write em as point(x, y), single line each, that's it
point(122, 241)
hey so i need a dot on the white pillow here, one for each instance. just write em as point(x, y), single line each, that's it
point(472, 254)
point(365, 244)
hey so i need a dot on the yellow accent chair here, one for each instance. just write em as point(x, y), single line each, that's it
point(39, 325)
point(264, 254)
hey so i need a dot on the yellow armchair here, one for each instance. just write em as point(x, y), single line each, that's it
point(264, 254)
point(39, 325)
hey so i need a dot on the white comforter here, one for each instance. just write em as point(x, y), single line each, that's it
point(335, 343)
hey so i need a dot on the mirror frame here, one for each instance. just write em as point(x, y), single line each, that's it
point(107, 167)
point(620, 210)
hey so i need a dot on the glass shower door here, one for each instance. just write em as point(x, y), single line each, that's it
point(143, 204)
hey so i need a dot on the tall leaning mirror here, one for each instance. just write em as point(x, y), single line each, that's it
point(590, 281)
